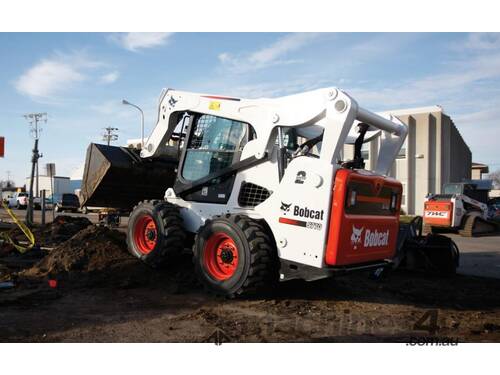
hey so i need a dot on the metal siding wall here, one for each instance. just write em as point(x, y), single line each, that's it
point(460, 156)
point(445, 151)
point(422, 165)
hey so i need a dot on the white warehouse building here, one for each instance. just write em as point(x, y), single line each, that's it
point(433, 154)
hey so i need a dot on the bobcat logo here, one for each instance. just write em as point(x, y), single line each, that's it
point(356, 236)
point(172, 101)
point(285, 207)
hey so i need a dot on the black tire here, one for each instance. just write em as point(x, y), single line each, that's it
point(169, 232)
point(257, 266)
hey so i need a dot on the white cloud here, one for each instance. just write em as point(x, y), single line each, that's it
point(110, 77)
point(47, 78)
point(270, 55)
point(481, 41)
point(53, 76)
point(136, 41)
point(449, 87)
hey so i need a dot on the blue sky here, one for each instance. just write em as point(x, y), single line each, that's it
point(79, 79)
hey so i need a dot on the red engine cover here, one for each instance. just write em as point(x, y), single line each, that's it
point(438, 213)
point(364, 221)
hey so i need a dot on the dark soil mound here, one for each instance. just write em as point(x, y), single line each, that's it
point(98, 256)
point(92, 249)
point(60, 230)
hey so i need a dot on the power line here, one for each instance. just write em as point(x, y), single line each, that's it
point(34, 120)
point(110, 135)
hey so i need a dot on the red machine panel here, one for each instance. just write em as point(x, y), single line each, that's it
point(438, 213)
point(364, 221)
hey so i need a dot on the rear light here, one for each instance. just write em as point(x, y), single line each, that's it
point(394, 201)
point(352, 198)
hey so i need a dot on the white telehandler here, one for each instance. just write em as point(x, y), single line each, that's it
point(260, 188)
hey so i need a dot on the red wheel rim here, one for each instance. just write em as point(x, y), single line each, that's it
point(220, 256)
point(145, 234)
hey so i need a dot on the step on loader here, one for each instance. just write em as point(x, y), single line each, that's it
point(267, 190)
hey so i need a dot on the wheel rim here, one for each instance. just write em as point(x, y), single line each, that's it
point(220, 256)
point(145, 234)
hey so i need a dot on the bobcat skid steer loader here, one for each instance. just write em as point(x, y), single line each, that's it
point(263, 191)
point(461, 207)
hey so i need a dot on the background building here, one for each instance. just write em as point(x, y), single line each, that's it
point(61, 185)
point(434, 153)
point(478, 170)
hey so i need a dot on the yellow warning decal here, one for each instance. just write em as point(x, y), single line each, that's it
point(214, 106)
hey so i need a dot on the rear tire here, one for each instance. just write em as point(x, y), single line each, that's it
point(234, 255)
point(155, 232)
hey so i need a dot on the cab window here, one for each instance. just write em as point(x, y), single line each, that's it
point(214, 144)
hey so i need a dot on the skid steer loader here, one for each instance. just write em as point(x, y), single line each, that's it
point(462, 207)
point(264, 190)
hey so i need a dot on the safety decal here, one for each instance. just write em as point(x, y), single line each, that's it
point(214, 105)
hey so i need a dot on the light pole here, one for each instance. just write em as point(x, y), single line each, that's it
point(142, 120)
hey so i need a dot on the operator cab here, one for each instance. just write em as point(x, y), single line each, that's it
point(472, 190)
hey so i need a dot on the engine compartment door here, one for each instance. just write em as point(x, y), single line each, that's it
point(364, 219)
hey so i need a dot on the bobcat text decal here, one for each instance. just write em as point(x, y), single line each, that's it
point(373, 238)
point(302, 212)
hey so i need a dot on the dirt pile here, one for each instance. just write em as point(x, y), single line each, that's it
point(60, 230)
point(98, 256)
point(94, 248)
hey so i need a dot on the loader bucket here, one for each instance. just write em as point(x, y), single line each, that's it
point(117, 177)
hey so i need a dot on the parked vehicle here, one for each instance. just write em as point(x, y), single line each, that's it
point(66, 202)
point(18, 200)
point(37, 203)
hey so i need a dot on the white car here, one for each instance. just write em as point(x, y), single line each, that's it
point(18, 200)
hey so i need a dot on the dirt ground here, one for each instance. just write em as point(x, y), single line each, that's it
point(105, 295)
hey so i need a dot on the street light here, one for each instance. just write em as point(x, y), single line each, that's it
point(142, 119)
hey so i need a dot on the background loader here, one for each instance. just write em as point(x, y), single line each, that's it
point(462, 207)
point(261, 190)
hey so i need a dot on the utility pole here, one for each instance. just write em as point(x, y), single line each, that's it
point(109, 135)
point(8, 177)
point(34, 119)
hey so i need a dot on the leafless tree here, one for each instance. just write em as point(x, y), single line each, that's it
point(6, 184)
point(495, 177)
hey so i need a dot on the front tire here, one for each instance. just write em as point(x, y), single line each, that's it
point(155, 232)
point(235, 255)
